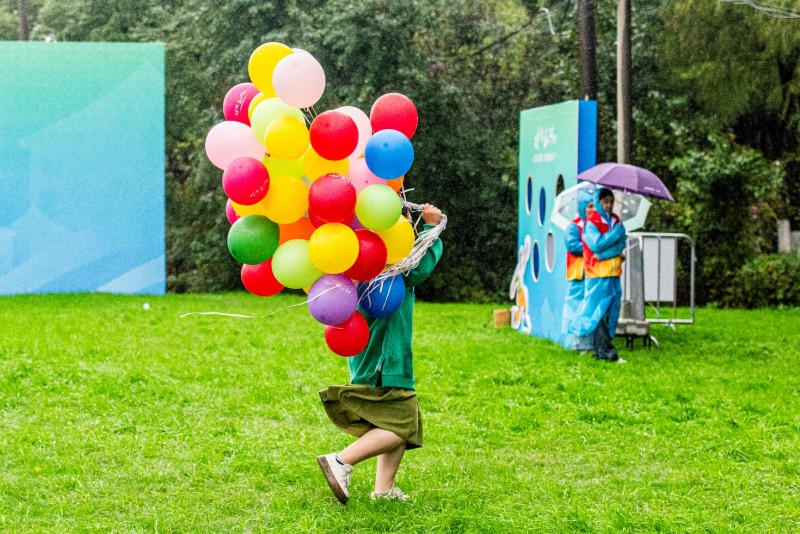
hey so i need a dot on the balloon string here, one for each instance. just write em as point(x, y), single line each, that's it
point(369, 287)
point(219, 313)
point(239, 316)
point(422, 243)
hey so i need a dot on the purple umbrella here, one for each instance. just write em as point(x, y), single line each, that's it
point(627, 178)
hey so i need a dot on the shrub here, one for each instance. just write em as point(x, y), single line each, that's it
point(770, 280)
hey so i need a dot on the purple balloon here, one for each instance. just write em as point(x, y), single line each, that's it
point(355, 225)
point(332, 299)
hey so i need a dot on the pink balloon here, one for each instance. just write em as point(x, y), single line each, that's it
point(236, 102)
point(360, 175)
point(364, 127)
point(230, 140)
point(299, 80)
point(230, 213)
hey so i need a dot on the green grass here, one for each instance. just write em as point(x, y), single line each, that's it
point(118, 419)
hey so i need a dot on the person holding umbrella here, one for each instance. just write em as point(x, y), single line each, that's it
point(604, 240)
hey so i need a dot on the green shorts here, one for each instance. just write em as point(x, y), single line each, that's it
point(357, 409)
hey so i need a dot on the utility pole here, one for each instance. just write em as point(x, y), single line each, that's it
point(24, 34)
point(624, 144)
point(588, 46)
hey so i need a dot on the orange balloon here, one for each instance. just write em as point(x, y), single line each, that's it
point(300, 229)
point(396, 184)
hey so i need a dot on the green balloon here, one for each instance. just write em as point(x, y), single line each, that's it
point(378, 207)
point(253, 239)
point(292, 266)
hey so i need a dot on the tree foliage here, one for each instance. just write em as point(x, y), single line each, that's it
point(744, 75)
point(701, 98)
point(726, 231)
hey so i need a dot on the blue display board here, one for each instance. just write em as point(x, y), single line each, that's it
point(555, 144)
point(82, 168)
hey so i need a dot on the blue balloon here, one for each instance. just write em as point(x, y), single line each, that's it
point(389, 154)
point(381, 299)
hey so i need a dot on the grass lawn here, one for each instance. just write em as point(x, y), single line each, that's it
point(114, 418)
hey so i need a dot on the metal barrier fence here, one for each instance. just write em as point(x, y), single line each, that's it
point(650, 276)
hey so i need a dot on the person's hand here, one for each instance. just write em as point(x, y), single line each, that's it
point(431, 214)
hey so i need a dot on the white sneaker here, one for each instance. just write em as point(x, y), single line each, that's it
point(394, 494)
point(620, 360)
point(337, 475)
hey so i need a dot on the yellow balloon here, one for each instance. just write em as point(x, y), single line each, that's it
point(269, 110)
point(333, 248)
point(252, 209)
point(286, 200)
point(286, 138)
point(399, 240)
point(262, 64)
point(315, 165)
point(279, 167)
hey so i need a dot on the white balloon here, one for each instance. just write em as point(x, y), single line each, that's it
point(364, 128)
point(230, 140)
point(299, 80)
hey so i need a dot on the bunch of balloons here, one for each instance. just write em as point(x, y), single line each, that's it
point(314, 198)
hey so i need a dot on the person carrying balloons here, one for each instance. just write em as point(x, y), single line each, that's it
point(573, 239)
point(604, 240)
point(379, 406)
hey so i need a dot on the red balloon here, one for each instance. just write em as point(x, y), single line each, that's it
point(396, 112)
point(316, 222)
point(259, 280)
point(332, 198)
point(372, 255)
point(333, 135)
point(246, 181)
point(348, 338)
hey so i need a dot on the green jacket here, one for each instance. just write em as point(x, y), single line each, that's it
point(387, 360)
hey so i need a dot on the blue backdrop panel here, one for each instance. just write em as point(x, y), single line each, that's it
point(82, 168)
point(556, 143)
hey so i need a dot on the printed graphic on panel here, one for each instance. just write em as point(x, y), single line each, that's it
point(82, 168)
point(556, 143)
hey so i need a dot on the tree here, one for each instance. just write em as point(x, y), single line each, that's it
point(725, 232)
point(745, 75)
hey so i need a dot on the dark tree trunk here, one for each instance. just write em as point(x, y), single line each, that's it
point(588, 46)
point(24, 34)
point(624, 81)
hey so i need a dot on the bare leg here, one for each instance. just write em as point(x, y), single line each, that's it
point(375, 442)
point(388, 463)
